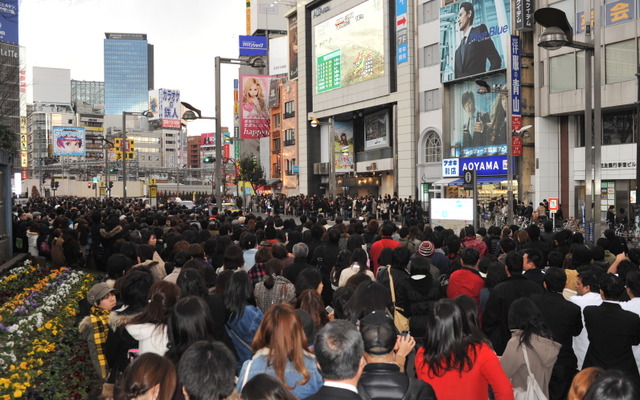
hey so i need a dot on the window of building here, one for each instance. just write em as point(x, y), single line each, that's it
point(276, 121)
point(289, 137)
point(620, 61)
point(617, 128)
point(429, 11)
point(432, 147)
point(431, 100)
point(429, 55)
point(276, 170)
point(562, 71)
point(275, 146)
point(289, 110)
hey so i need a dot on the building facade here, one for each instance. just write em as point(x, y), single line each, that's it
point(128, 72)
point(88, 92)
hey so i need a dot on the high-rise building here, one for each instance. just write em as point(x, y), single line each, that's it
point(128, 72)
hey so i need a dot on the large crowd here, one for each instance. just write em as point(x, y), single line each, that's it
point(360, 299)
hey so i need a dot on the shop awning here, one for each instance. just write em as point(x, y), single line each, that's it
point(482, 180)
point(445, 182)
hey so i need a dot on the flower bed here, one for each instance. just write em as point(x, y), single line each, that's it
point(40, 350)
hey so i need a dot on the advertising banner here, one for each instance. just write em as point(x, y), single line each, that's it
point(524, 15)
point(293, 47)
point(485, 166)
point(9, 21)
point(343, 146)
point(474, 37)
point(254, 118)
point(376, 130)
point(169, 108)
point(349, 48)
point(69, 141)
point(253, 45)
point(207, 139)
point(479, 121)
point(402, 42)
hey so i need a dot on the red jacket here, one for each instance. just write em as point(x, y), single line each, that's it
point(476, 244)
point(376, 249)
point(465, 281)
point(470, 385)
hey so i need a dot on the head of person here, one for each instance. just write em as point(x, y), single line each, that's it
point(253, 89)
point(265, 387)
point(469, 309)
point(446, 345)
point(300, 250)
point(532, 259)
point(309, 278)
point(582, 381)
point(469, 257)
point(525, 315)
point(613, 385)
point(339, 351)
point(513, 263)
point(189, 321)
point(135, 289)
point(311, 301)
point(468, 101)
point(555, 279)
point(465, 15)
point(379, 335)
point(369, 296)
point(401, 257)
point(233, 257)
point(388, 228)
point(611, 287)
point(150, 376)
point(588, 281)
point(282, 333)
point(238, 294)
point(191, 281)
point(207, 371)
point(102, 296)
point(163, 296)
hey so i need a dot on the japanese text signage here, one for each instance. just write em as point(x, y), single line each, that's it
point(524, 15)
point(402, 32)
point(253, 45)
point(614, 13)
point(485, 166)
point(450, 167)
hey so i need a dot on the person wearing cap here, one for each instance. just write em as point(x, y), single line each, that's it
point(383, 348)
point(94, 328)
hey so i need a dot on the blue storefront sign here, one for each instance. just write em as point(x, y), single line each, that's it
point(9, 21)
point(485, 166)
point(253, 46)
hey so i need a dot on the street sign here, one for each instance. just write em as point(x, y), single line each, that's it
point(152, 181)
point(553, 204)
point(469, 179)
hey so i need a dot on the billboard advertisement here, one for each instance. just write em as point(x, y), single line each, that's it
point(254, 111)
point(69, 141)
point(253, 45)
point(474, 37)
point(479, 121)
point(207, 139)
point(343, 146)
point(349, 48)
point(376, 130)
point(293, 47)
point(9, 21)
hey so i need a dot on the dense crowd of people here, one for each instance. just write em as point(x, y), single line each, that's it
point(350, 302)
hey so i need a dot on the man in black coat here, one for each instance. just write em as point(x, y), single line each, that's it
point(532, 264)
point(476, 46)
point(340, 355)
point(325, 256)
point(383, 348)
point(495, 323)
point(291, 271)
point(564, 318)
point(612, 331)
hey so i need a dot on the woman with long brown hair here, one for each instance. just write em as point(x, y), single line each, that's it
point(280, 351)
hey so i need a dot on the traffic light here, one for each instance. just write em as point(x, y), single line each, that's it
point(57, 184)
point(112, 170)
point(53, 182)
point(208, 160)
point(110, 184)
point(89, 185)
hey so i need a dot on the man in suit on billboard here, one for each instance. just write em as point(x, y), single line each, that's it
point(474, 128)
point(476, 46)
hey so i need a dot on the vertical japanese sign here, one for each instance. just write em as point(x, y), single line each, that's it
point(516, 112)
point(524, 15)
point(293, 47)
point(402, 45)
point(169, 108)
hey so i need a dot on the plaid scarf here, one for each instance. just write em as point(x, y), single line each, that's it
point(100, 325)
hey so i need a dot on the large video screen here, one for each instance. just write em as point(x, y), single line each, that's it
point(474, 37)
point(452, 209)
point(349, 48)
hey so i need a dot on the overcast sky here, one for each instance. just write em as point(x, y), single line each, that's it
point(187, 35)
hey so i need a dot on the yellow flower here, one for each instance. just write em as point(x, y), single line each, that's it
point(23, 365)
point(48, 325)
point(17, 393)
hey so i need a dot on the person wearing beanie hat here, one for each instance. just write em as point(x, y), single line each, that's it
point(94, 328)
point(426, 249)
point(385, 352)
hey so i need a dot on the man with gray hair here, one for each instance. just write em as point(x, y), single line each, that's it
point(340, 355)
point(300, 252)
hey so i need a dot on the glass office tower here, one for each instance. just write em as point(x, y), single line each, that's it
point(128, 72)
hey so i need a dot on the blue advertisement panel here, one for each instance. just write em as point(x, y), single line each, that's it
point(613, 13)
point(9, 21)
point(69, 141)
point(484, 166)
point(474, 37)
point(402, 42)
point(253, 45)
point(479, 121)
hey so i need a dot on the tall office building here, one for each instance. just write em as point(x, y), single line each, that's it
point(128, 72)
point(88, 92)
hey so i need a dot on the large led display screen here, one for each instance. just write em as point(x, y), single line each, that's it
point(69, 141)
point(349, 48)
point(479, 121)
point(474, 37)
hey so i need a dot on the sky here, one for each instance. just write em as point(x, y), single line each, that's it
point(187, 36)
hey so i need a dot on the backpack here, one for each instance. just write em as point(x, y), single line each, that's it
point(44, 248)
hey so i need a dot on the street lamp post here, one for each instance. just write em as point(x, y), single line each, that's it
point(557, 34)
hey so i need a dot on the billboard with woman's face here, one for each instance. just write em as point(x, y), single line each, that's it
point(69, 141)
point(254, 106)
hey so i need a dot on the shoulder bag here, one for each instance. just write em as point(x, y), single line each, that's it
point(401, 322)
point(533, 390)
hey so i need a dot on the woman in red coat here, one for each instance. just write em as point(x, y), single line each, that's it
point(456, 364)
